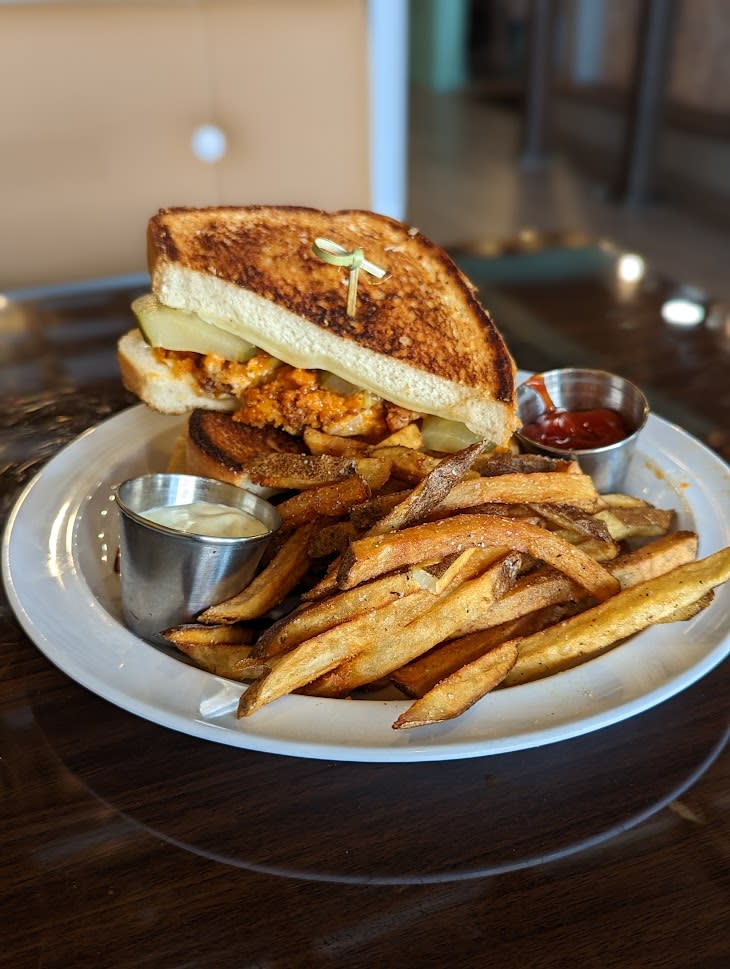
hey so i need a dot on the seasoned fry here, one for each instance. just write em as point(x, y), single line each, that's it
point(628, 612)
point(538, 600)
point(287, 471)
point(215, 649)
point(407, 465)
point(319, 442)
point(193, 634)
point(658, 557)
point(332, 539)
point(321, 653)
point(316, 656)
point(270, 586)
point(365, 515)
point(324, 501)
point(454, 695)
point(374, 470)
point(501, 462)
point(313, 619)
point(541, 486)
point(374, 555)
point(409, 436)
point(573, 520)
point(636, 522)
point(421, 675)
point(439, 623)
point(431, 491)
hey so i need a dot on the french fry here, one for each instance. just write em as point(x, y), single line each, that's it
point(374, 555)
point(310, 620)
point(574, 638)
point(636, 522)
point(454, 695)
point(536, 600)
point(409, 436)
point(449, 613)
point(422, 674)
point(503, 462)
point(407, 465)
point(193, 634)
point(270, 586)
point(332, 539)
point(430, 491)
point(323, 501)
point(563, 488)
point(374, 470)
point(291, 472)
point(628, 612)
point(319, 442)
point(321, 653)
point(657, 558)
point(215, 649)
point(573, 520)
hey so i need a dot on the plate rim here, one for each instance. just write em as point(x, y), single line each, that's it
point(274, 731)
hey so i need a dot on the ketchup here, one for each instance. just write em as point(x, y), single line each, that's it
point(576, 430)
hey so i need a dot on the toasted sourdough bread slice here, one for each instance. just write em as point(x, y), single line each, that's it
point(419, 337)
point(219, 447)
point(152, 381)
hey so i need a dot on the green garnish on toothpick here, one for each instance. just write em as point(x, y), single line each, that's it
point(352, 259)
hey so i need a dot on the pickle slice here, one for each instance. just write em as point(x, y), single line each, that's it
point(172, 329)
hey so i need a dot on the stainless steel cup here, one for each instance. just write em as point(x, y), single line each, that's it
point(581, 389)
point(169, 576)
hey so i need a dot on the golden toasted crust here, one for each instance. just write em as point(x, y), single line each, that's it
point(423, 313)
point(221, 448)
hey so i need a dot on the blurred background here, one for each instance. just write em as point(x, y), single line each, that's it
point(472, 119)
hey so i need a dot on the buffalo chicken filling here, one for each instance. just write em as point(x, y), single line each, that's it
point(273, 394)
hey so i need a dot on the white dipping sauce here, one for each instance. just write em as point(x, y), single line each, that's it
point(207, 518)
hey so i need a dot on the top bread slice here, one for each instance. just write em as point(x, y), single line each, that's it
point(419, 337)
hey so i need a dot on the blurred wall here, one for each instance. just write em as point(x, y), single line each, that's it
point(106, 97)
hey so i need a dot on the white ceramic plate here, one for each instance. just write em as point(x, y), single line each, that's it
point(58, 553)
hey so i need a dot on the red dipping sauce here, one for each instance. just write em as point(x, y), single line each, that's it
point(577, 430)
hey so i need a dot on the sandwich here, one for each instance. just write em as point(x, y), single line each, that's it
point(284, 319)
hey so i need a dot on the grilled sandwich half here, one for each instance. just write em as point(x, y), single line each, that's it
point(247, 315)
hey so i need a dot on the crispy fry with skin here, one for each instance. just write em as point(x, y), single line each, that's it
point(290, 472)
point(321, 653)
point(270, 586)
point(406, 464)
point(409, 436)
point(438, 624)
point(311, 620)
point(315, 656)
point(319, 442)
point(374, 555)
point(324, 501)
point(422, 674)
point(540, 486)
point(374, 470)
point(332, 539)
point(500, 462)
point(535, 601)
point(215, 649)
point(573, 520)
point(454, 695)
point(431, 491)
point(580, 637)
point(636, 522)
point(193, 634)
point(658, 557)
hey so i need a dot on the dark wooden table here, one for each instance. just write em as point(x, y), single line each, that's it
point(123, 843)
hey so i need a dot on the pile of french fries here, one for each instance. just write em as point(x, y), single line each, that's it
point(442, 576)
